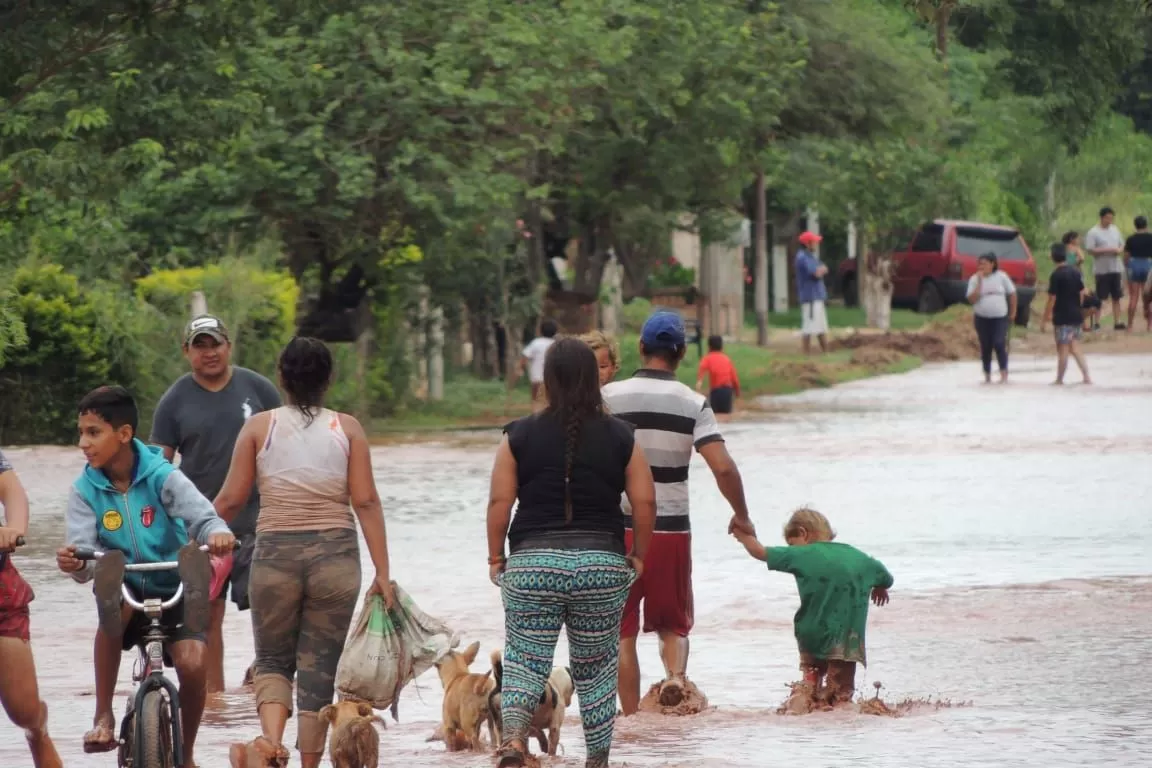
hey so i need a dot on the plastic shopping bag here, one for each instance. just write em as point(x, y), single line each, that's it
point(221, 570)
point(386, 650)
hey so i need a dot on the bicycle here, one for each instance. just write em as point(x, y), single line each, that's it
point(152, 740)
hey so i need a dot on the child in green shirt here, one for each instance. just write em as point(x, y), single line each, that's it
point(834, 581)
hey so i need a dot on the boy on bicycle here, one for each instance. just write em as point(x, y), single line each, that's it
point(19, 692)
point(132, 503)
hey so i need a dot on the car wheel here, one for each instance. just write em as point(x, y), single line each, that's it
point(851, 296)
point(929, 301)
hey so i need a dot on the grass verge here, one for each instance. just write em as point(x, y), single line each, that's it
point(470, 402)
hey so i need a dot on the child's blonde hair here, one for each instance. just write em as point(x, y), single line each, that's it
point(807, 519)
point(599, 340)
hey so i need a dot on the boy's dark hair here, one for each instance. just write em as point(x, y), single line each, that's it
point(1141, 222)
point(113, 404)
point(1059, 253)
point(991, 259)
point(1069, 236)
point(1105, 211)
point(715, 343)
point(549, 328)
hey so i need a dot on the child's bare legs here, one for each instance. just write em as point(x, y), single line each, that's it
point(188, 658)
point(20, 696)
point(106, 658)
point(841, 682)
point(1061, 362)
point(1074, 349)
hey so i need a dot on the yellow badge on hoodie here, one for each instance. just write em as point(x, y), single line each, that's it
point(113, 520)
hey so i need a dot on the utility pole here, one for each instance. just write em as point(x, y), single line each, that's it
point(760, 248)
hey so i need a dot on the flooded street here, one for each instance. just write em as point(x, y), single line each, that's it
point(1014, 519)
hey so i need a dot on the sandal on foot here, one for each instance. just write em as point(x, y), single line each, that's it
point(195, 569)
point(102, 737)
point(108, 579)
point(510, 758)
point(671, 693)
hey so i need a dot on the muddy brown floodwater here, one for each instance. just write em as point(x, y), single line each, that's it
point(1015, 520)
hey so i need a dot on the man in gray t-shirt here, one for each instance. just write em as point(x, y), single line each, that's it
point(200, 417)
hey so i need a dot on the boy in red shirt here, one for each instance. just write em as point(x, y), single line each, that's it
point(724, 384)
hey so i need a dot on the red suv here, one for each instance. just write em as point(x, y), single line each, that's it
point(932, 272)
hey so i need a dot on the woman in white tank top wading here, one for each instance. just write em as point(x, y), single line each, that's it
point(313, 471)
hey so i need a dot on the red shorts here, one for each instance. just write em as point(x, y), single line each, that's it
point(665, 587)
point(15, 595)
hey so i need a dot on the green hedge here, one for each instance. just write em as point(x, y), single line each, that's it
point(59, 339)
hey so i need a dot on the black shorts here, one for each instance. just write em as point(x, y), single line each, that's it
point(721, 399)
point(236, 585)
point(1091, 301)
point(1110, 286)
point(171, 620)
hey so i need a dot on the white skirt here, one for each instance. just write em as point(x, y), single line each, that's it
point(813, 319)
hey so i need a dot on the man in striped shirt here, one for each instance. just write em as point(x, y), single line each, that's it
point(671, 420)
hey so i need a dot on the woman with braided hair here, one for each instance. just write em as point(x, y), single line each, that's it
point(567, 564)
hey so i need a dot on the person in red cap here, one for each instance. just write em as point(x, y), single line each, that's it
point(811, 292)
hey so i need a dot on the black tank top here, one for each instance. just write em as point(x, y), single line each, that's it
point(597, 482)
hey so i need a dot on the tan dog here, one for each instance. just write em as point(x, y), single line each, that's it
point(465, 700)
point(354, 742)
point(549, 713)
point(258, 753)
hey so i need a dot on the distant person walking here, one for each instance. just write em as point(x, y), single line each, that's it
point(1065, 296)
point(1106, 244)
point(199, 417)
point(532, 360)
point(1075, 258)
point(1138, 261)
point(992, 295)
point(723, 382)
point(812, 293)
point(671, 421)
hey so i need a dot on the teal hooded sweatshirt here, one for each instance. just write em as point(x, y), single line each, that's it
point(161, 511)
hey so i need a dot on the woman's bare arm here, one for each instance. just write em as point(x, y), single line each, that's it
point(242, 472)
point(641, 492)
point(501, 496)
point(364, 498)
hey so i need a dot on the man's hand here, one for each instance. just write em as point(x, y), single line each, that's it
point(66, 560)
point(221, 544)
point(739, 525)
point(8, 538)
point(879, 596)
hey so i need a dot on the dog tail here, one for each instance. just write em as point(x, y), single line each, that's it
point(497, 659)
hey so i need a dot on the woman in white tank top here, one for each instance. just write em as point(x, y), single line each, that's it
point(313, 469)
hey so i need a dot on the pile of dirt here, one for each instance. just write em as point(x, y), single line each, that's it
point(950, 337)
point(670, 698)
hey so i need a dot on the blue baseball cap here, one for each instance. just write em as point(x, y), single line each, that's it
point(663, 330)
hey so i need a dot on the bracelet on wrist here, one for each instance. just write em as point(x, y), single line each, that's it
point(498, 560)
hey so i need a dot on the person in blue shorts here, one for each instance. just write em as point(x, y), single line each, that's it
point(1138, 264)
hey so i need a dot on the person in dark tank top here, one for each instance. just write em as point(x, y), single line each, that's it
point(567, 563)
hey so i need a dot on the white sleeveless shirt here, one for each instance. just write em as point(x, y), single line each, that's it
point(302, 473)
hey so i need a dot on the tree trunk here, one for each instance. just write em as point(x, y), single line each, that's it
point(875, 285)
point(365, 336)
point(760, 247)
point(436, 354)
point(943, 15)
point(612, 305)
point(420, 348)
point(199, 304)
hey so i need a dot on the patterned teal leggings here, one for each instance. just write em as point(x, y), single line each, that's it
point(544, 589)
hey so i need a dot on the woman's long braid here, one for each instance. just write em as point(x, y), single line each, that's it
point(572, 429)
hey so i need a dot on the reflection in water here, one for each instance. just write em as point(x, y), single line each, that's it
point(1013, 518)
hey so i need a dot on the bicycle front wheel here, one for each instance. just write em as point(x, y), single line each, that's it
point(156, 718)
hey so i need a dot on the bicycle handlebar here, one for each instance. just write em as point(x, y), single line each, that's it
point(87, 553)
point(20, 541)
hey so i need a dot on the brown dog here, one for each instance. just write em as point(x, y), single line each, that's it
point(465, 700)
point(549, 714)
point(354, 742)
point(258, 753)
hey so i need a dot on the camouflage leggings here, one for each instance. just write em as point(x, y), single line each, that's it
point(303, 591)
